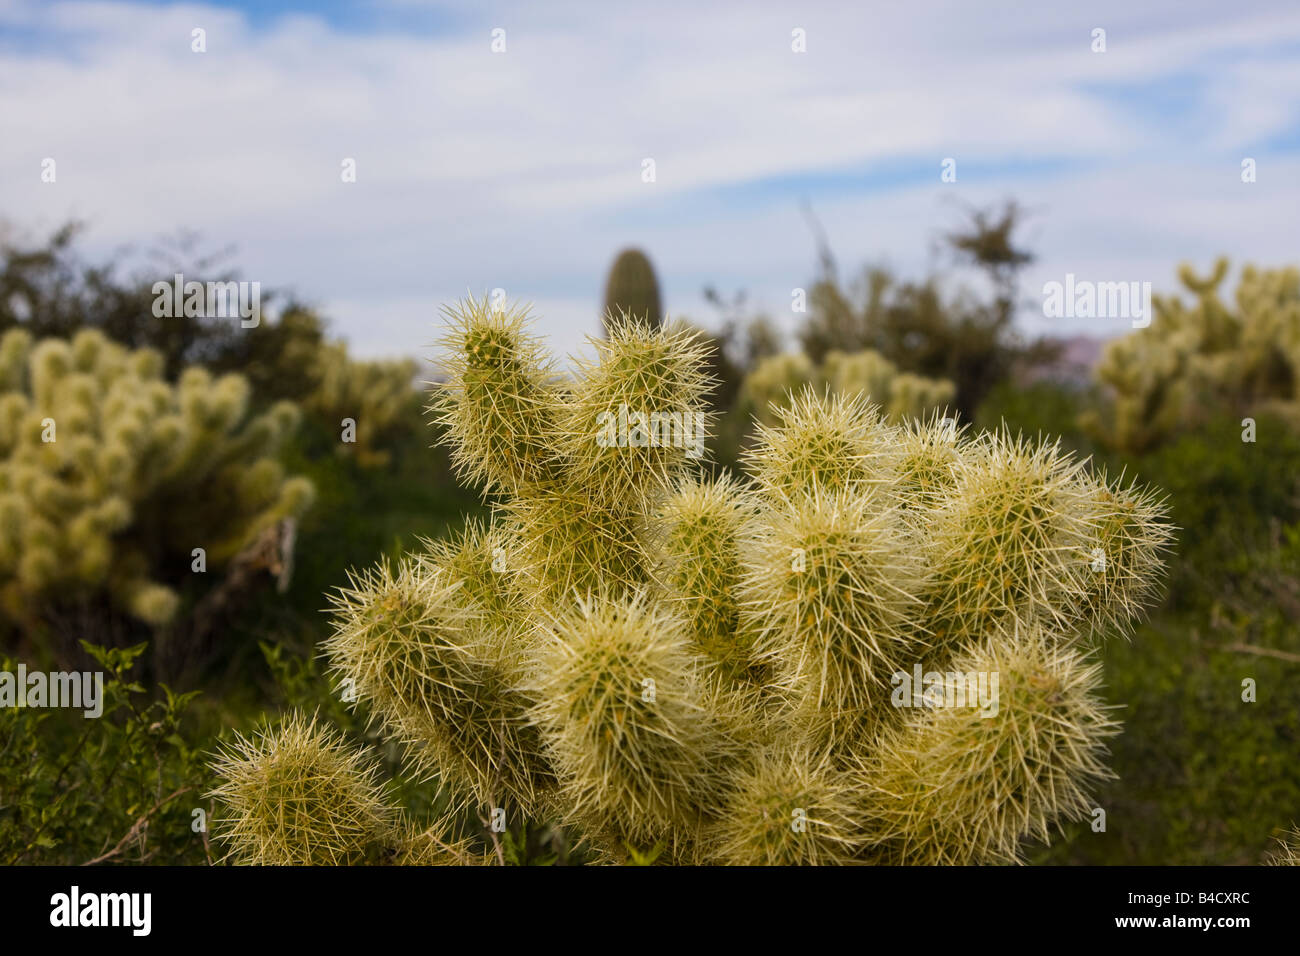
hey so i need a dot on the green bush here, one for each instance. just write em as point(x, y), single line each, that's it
point(122, 787)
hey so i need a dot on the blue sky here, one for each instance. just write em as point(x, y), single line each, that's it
point(522, 169)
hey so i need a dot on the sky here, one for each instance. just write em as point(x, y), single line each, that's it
point(523, 168)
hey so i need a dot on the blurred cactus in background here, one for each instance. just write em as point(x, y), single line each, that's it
point(1195, 362)
point(878, 648)
point(901, 395)
point(110, 477)
point(632, 289)
point(377, 396)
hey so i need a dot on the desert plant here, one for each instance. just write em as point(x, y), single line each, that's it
point(632, 289)
point(119, 787)
point(927, 326)
point(110, 477)
point(1287, 851)
point(378, 398)
point(1192, 363)
point(775, 380)
point(782, 670)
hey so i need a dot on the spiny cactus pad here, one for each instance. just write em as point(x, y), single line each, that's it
point(876, 647)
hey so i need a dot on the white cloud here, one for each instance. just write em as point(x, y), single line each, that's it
point(522, 170)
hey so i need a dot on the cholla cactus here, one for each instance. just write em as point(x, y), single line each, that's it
point(876, 649)
point(106, 469)
point(1191, 362)
point(775, 381)
point(377, 397)
point(1287, 851)
point(298, 796)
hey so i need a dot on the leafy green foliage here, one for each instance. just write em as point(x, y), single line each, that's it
point(120, 788)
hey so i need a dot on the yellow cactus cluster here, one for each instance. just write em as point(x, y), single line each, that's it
point(775, 380)
point(107, 470)
point(874, 648)
point(1195, 361)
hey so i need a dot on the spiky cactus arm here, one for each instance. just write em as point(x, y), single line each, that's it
point(634, 420)
point(836, 444)
point(961, 785)
point(834, 592)
point(786, 806)
point(412, 646)
point(1008, 543)
point(699, 671)
point(927, 454)
point(496, 409)
point(696, 542)
point(621, 707)
point(1287, 851)
point(435, 846)
point(298, 795)
point(483, 557)
point(570, 544)
point(1131, 533)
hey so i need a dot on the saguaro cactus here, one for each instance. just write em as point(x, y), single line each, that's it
point(633, 289)
point(875, 649)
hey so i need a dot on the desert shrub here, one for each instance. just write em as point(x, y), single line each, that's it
point(927, 326)
point(378, 398)
point(120, 787)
